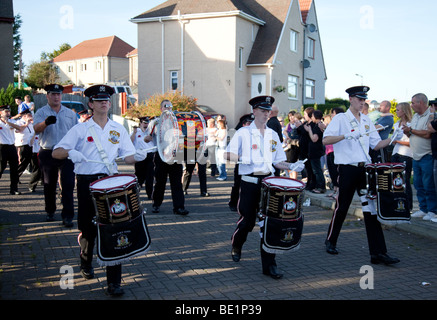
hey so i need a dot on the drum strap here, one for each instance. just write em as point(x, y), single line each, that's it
point(355, 126)
point(101, 150)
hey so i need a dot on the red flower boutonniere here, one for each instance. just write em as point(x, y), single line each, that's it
point(254, 147)
point(90, 139)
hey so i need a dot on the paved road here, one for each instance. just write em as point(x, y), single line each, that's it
point(190, 257)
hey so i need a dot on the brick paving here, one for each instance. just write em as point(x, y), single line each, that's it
point(190, 258)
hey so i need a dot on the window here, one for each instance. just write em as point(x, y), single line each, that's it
point(174, 80)
point(240, 59)
point(310, 89)
point(292, 87)
point(98, 65)
point(293, 40)
point(83, 67)
point(311, 48)
point(70, 68)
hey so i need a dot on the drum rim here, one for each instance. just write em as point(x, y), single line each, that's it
point(301, 186)
point(386, 165)
point(93, 188)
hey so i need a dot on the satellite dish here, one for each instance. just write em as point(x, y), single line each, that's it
point(311, 27)
point(306, 64)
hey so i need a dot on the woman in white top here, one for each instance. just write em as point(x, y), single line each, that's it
point(401, 151)
point(222, 137)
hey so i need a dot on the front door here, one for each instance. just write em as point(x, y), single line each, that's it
point(258, 85)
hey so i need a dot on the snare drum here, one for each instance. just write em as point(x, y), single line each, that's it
point(385, 177)
point(281, 204)
point(116, 198)
point(282, 197)
point(181, 136)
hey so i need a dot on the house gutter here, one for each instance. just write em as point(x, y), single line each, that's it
point(201, 16)
point(162, 55)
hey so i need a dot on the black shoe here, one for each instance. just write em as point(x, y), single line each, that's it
point(181, 211)
point(87, 272)
point(233, 208)
point(185, 192)
point(115, 290)
point(273, 272)
point(67, 222)
point(330, 248)
point(383, 258)
point(204, 194)
point(236, 254)
point(50, 217)
point(15, 193)
point(32, 189)
point(155, 209)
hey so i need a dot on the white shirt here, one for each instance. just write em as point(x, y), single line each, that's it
point(257, 153)
point(420, 146)
point(23, 138)
point(139, 142)
point(399, 148)
point(7, 135)
point(351, 151)
point(114, 139)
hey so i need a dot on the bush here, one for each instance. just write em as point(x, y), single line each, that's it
point(7, 97)
point(152, 106)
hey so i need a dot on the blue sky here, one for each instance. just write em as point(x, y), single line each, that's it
point(391, 44)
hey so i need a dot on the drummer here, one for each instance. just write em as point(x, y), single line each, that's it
point(101, 140)
point(258, 150)
point(347, 132)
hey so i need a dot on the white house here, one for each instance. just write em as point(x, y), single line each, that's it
point(95, 61)
point(224, 52)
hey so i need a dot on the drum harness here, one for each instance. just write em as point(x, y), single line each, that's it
point(354, 124)
point(260, 141)
point(102, 152)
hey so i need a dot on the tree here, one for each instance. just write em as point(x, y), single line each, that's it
point(39, 74)
point(48, 56)
point(17, 41)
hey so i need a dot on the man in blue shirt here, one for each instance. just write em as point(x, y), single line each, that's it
point(386, 120)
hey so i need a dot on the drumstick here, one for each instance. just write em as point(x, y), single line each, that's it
point(395, 135)
point(372, 131)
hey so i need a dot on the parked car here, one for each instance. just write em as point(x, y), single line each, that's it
point(76, 105)
point(125, 88)
point(207, 112)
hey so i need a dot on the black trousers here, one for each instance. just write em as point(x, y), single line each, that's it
point(248, 208)
point(9, 155)
point(235, 191)
point(25, 153)
point(85, 215)
point(353, 179)
point(54, 170)
point(145, 172)
point(174, 172)
point(35, 176)
point(188, 173)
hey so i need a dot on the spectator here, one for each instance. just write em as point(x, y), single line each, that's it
point(316, 150)
point(420, 144)
point(432, 127)
point(304, 141)
point(222, 137)
point(386, 120)
point(292, 140)
point(274, 124)
point(401, 151)
point(211, 145)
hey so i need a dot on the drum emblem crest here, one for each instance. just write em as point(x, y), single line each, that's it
point(114, 137)
point(398, 182)
point(401, 205)
point(290, 206)
point(122, 241)
point(118, 208)
point(288, 236)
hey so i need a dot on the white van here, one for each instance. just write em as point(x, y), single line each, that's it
point(123, 87)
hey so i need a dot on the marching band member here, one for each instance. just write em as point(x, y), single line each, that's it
point(144, 170)
point(162, 170)
point(352, 133)
point(82, 144)
point(258, 150)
